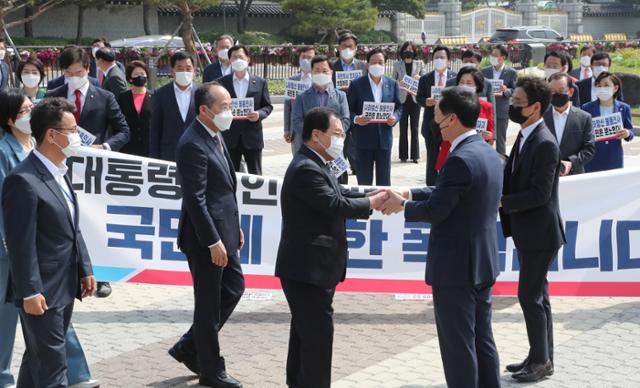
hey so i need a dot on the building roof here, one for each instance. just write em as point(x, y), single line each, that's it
point(258, 8)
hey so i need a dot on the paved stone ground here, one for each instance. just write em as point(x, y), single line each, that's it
point(379, 341)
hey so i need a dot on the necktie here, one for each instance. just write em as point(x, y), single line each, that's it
point(78, 106)
point(440, 80)
point(516, 152)
point(216, 141)
point(100, 76)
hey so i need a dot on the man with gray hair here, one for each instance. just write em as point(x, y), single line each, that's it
point(222, 67)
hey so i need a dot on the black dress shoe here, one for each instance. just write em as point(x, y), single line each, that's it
point(403, 160)
point(221, 380)
point(416, 161)
point(517, 367)
point(534, 372)
point(189, 360)
point(104, 289)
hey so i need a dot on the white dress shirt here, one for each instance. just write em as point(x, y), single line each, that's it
point(560, 122)
point(71, 95)
point(593, 90)
point(106, 73)
point(497, 73)
point(527, 131)
point(460, 138)
point(436, 78)
point(241, 85)
point(376, 90)
point(306, 78)
point(225, 70)
point(183, 97)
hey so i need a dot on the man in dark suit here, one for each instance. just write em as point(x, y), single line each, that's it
point(114, 79)
point(530, 214)
point(209, 234)
point(222, 66)
point(173, 108)
point(4, 68)
point(600, 62)
point(245, 138)
point(96, 109)
point(312, 256)
point(430, 131)
point(48, 259)
point(373, 141)
point(463, 259)
point(584, 71)
point(498, 70)
point(571, 126)
point(94, 70)
point(558, 62)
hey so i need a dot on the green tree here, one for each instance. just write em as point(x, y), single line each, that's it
point(329, 17)
point(417, 8)
point(8, 7)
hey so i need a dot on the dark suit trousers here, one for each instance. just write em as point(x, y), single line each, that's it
point(467, 348)
point(217, 291)
point(310, 335)
point(349, 150)
point(44, 363)
point(410, 113)
point(533, 294)
point(501, 135)
point(432, 143)
point(365, 160)
point(253, 159)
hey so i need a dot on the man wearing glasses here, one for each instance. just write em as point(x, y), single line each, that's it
point(48, 259)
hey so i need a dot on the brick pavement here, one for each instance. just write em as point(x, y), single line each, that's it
point(379, 341)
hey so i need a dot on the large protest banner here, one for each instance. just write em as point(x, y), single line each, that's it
point(130, 207)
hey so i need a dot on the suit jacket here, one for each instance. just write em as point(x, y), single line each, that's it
point(578, 139)
point(306, 101)
point(138, 123)
point(59, 81)
point(167, 124)
point(313, 242)
point(400, 70)
point(288, 103)
point(373, 136)
point(359, 65)
point(424, 91)
point(47, 254)
point(509, 78)
point(93, 68)
point(584, 89)
point(209, 207)
point(250, 134)
point(101, 116)
point(212, 72)
point(115, 82)
point(530, 211)
point(4, 70)
point(463, 245)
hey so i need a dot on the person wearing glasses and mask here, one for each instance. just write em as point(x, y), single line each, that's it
point(306, 54)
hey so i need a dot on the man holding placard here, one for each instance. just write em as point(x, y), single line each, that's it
point(297, 85)
point(374, 103)
point(251, 105)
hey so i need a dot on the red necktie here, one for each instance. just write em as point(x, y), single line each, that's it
point(440, 80)
point(100, 76)
point(78, 106)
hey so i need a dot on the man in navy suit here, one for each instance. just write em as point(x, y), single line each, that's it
point(245, 138)
point(430, 131)
point(222, 66)
point(97, 110)
point(48, 259)
point(373, 140)
point(600, 62)
point(114, 78)
point(173, 108)
point(209, 234)
point(530, 213)
point(463, 259)
point(4, 68)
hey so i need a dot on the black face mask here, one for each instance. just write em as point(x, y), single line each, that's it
point(515, 114)
point(408, 54)
point(559, 99)
point(139, 81)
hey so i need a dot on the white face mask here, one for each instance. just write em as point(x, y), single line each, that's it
point(604, 93)
point(2, 54)
point(30, 80)
point(336, 147)
point(23, 124)
point(184, 78)
point(494, 61)
point(469, 64)
point(73, 148)
point(549, 72)
point(585, 60)
point(468, 88)
point(94, 50)
point(599, 69)
point(321, 79)
point(305, 64)
point(222, 120)
point(440, 64)
point(76, 83)
point(224, 54)
point(347, 54)
point(239, 65)
point(376, 70)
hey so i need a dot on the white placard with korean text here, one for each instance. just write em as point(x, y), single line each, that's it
point(241, 108)
point(344, 78)
point(378, 112)
point(293, 88)
point(605, 127)
point(410, 85)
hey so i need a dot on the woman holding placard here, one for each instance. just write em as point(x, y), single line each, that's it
point(471, 79)
point(609, 154)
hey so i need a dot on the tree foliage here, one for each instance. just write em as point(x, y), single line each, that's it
point(8, 7)
point(417, 8)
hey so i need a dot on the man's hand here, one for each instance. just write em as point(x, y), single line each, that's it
point(219, 255)
point(35, 306)
point(393, 204)
point(287, 137)
point(241, 239)
point(566, 167)
point(253, 116)
point(391, 121)
point(88, 286)
point(377, 199)
point(431, 102)
point(486, 135)
point(622, 134)
point(417, 76)
point(361, 120)
point(344, 88)
point(98, 146)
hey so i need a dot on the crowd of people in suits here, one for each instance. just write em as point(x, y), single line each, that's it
point(192, 124)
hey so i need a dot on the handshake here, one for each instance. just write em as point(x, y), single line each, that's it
point(387, 201)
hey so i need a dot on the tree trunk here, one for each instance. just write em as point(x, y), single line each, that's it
point(28, 26)
point(243, 11)
point(81, 10)
point(146, 10)
point(187, 27)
